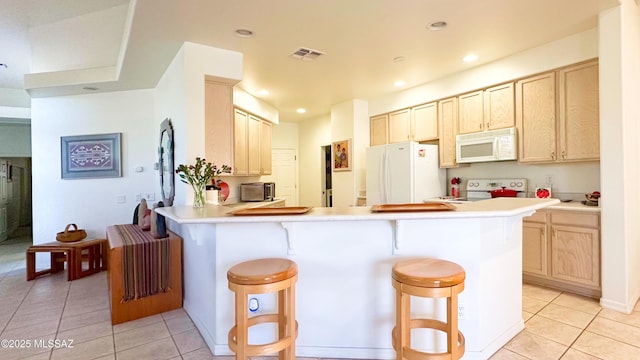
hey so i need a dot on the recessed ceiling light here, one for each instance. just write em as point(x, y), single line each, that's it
point(470, 58)
point(244, 33)
point(399, 83)
point(263, 92)
point(437, 25)
point(301, 111)
point(90, 88)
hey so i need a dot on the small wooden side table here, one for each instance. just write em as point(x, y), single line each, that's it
point(94, 251)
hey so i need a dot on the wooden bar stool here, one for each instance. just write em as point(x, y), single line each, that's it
point(432, 278)
point(258, 277)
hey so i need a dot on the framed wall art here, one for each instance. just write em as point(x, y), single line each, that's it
point(341, 155)
point(91, 156)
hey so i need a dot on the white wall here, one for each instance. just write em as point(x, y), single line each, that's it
point(342, 128)
point(314, 134)
point(180, 97)
point(620, 155)
point(90, 203)
point(285, 135)
point(15, 140)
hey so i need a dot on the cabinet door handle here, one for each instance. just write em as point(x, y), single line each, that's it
point(553, 155)
point(563, 154)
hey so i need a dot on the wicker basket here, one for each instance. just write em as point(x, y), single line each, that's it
point(71, 235)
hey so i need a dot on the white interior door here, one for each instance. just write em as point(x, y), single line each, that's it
point(284, 172)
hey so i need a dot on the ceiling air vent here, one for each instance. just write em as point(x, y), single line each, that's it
point(306, 54)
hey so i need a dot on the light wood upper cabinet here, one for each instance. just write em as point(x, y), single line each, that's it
point(419, 123)
point(252, 145)
point(400, 126)
point(219, 123)
point(470, 112)
point(557, 115)
point(447, 123)
point(425, 122)
point(536, 118)
point(499, 107)
point(265, 147)
point(240, 165)
point(378, 132)
point(579, 112)
point(235, 137)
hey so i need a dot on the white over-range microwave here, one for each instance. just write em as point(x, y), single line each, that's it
point(492, 145)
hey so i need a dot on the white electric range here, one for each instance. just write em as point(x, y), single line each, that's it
point(480, 189)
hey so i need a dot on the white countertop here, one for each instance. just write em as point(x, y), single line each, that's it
point(478, 209)
point(575, 206)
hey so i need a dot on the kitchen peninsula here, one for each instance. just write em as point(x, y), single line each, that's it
point(345, 301)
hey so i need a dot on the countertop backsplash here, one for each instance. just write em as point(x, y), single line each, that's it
point(568, 180)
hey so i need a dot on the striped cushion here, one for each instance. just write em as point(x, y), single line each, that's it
point(146, 263)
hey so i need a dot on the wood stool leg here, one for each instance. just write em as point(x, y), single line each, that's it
point(452, 324)
point(403, 322)
point(282, 321)
point(290, 353)
point(55, 264)
point(31, 265)
point(72, 264)
point(242, 334)
point(104, 253)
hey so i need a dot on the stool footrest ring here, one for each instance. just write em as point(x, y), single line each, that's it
point(411, 354)
point(263, 349)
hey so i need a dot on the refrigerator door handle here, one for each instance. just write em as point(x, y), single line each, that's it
point(387, 178)
point(381, 177)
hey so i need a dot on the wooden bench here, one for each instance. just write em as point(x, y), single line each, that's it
point(122, 311)
point(92, 251)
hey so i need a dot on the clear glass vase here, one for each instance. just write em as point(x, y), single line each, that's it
point(199, 199)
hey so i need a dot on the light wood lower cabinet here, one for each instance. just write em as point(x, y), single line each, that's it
point(561, 249)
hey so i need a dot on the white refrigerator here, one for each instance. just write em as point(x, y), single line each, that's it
point(403, 173)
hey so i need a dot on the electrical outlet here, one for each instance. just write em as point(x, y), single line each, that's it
point(138, 197)
point(151, 196)
point(254, 304)
point(549, 179)
point(461, 312)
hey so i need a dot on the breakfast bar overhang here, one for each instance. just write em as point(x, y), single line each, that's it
point(345, 301)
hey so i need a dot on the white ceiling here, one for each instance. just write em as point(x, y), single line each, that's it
point(360, 38)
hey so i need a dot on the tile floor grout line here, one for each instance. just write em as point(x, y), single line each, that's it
point(582, 332)
point(16, 310)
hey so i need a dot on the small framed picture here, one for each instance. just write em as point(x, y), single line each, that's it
point(91, 156)
point(341, 155)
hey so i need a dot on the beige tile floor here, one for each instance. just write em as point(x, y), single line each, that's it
point(558, 325)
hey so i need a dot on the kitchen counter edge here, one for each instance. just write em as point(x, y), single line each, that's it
point(499, 207)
